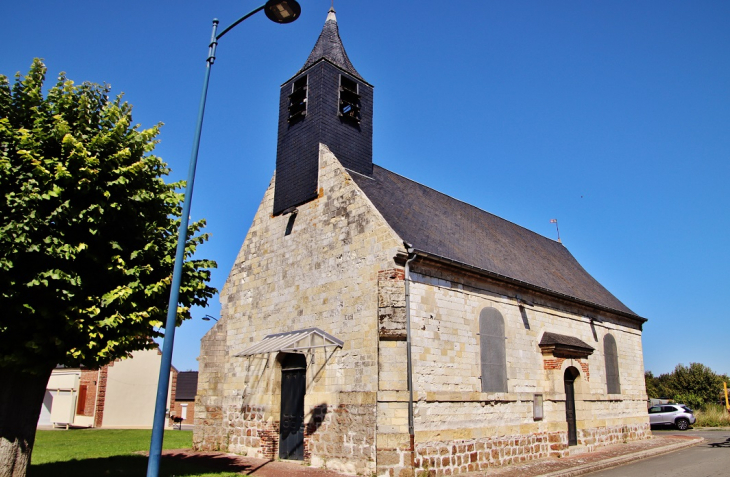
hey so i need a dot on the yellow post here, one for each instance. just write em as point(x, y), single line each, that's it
point(727, 405)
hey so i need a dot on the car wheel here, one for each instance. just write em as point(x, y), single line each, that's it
point(682, 424)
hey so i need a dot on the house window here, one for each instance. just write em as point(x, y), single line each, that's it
point(298, 100)
point(613, 383)
point(349, 102)
point(493, 352)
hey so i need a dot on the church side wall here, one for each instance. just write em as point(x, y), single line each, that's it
point(458, 428)
point(209, 433)
point(323, 274)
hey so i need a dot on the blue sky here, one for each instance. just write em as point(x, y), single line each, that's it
point(613, 117)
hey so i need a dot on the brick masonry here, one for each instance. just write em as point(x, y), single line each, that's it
point(101, 398)
point(557, 363)
point(88, 379)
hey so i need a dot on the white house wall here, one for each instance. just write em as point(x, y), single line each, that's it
point(131, 389)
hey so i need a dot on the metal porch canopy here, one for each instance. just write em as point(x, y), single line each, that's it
point(292, 342)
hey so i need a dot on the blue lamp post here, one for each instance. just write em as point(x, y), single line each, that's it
point(279, 11)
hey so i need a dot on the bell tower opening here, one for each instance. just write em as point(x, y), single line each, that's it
point(326, 102)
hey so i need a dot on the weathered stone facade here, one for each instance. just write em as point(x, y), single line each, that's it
point(323, 274)
point(338, 271)
point(459, 428)
point(506, 336)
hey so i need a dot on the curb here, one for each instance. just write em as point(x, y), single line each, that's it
point(624, 459)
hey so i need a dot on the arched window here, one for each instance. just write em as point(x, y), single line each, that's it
point(493, 353)
point(613, 382)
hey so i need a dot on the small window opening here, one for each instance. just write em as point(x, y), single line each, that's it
point(290, 224)
point(349, 100)
point(537, 408)
point(298, 100)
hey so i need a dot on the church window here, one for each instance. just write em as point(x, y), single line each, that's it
point(613, 383)
point(493, 352)
point(298, 100)
point(349, 102)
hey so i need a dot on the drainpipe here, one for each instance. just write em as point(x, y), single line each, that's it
point(409, 364)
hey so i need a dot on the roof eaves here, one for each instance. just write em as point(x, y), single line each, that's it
point(327, 60)
point(516, 281)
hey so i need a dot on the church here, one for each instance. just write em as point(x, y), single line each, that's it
point(375, 326)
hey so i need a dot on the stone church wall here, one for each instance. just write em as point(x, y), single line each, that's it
point(323, 274)
point(458, 428)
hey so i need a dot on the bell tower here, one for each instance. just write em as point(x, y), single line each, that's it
point(326, 102)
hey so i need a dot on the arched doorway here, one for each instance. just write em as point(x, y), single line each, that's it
point(569, 377)
point(293, 386)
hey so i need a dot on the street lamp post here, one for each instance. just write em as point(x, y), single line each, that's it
point(279, 11)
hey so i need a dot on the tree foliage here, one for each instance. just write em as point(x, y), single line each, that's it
point(88, 228)
point(695, 385)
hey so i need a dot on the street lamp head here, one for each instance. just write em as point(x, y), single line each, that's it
point(282, 11)
point(208, 318)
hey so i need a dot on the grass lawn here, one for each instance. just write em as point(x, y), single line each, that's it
point(112, 452)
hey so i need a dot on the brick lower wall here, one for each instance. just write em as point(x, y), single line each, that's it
point(338, 437)
point(471, 455)
point(342, 438)
point(603, 436)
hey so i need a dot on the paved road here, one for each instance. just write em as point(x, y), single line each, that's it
point(709, 459)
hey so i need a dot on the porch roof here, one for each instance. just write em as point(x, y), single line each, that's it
point(293, 342)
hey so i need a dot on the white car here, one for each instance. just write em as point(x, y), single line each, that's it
point(672, 414)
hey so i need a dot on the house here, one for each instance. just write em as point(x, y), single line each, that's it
point(371, 324)
point(120, 394)
point(184, 388)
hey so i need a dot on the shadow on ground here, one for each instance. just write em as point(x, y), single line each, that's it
point(725, 443)
point(172, 464)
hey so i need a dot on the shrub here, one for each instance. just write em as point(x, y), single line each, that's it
point(712, 415)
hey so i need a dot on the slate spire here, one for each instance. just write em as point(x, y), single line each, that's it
point(329, 48)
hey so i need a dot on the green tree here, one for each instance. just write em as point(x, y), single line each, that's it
point(697, 381)
point(88, 229)
point(695, 385)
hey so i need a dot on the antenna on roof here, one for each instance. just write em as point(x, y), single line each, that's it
point(555, 221)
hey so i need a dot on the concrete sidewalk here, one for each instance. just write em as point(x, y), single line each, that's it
point(603, 458)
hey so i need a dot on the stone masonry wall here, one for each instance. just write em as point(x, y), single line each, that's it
point(457, 427)
point(324, 274)
point(209, 432)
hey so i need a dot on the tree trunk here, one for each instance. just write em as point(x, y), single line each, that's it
point(21, 398)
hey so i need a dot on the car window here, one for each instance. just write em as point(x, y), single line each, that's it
point(655, 409)
point(669, 409)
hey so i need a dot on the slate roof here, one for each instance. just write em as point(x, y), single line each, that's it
point(554, 339)
point(444, 227)
point(329, 47)
point(187, 386)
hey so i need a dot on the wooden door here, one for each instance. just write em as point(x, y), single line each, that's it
point(570, 406)
point(293, 386)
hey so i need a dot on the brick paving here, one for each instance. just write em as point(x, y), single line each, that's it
point(581, 464)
